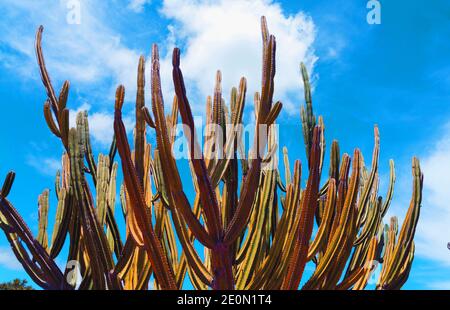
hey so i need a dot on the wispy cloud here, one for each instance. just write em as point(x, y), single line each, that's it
point(226, 35)
point(433, 229)
point(92, 55)
point(439, 285)
point(8, 260)
point(44, 165)
point(101, 124)
point(88, 54)
point(138, 5)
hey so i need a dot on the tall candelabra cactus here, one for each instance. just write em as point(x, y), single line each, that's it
point(257, 230)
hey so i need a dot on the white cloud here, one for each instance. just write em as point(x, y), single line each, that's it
point(226, 35)
point(88, 53)
point(91, 55)
point(8, 260)
point(438, 285)
point(433, 231)
point(101, 124)
point(44, 165)
point(137, 5)
point(215, 35)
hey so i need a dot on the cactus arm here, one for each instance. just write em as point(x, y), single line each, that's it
point(58, 180)
point(148, 118)
point(207, 197)
point(230, 145)
point(95, 239)
point(271, 268)
point(141, 270)
point(159, 180)
point(254, 239)
point(113, 235)
point(273, 114)
point(161, 267)
point(341, 194)
point(174, 115)
point(282, 242)
point(49, 119)
point(45, 272)
point(404, 271)
point(22, 256)
point(124, 261)
point(61, 225)
point(338, 239)
point(251, 181)
point(404, 243)
point(194, 262)
point(57, 106)
point(246, 244)
point(63, 95)
point(268, 198)
point(190, 261)
point(368, 186)
point(370, 228)
point(132, 225)
point(252, 251)
point(103, 179)
point(50, 270)
point(351, 280)
point(181, 272)
point(42, 69)
point(268, 72)
point(140, 121)
point(64, 127)
point(42, 236)
point(306, 219)
point(230, 196)
point(362, 242)
point(361, 284)
point(170, 236)
point(7, 184)
point(170, 173)
point(325, 226)
point(390, 232)
point(333, 173)
point(390, 192)
point(75, 244)
point(240, 217)
point(230, 190)
point(217, 116)
point(322, 141)
point(307, 116)
point(343, 252)
point(82, 121)
point(287, 169)
point(112, 151)
point(334, 161)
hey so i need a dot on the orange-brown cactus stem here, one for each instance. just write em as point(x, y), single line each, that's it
point(163, 272)
point(207, 196)
point(251, 180)
point(169, 170)
point(220, 253)
point(140, 121)
point(50, 271)
point(307, 211)
point(43, 71)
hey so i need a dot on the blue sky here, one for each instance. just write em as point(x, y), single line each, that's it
point(395, 74)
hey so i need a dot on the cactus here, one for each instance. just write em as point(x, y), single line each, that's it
point(257, 231)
